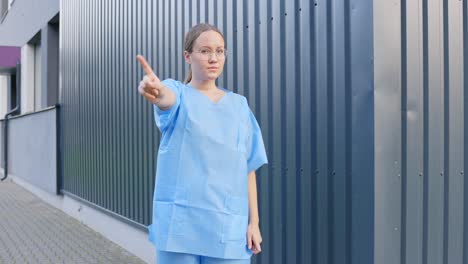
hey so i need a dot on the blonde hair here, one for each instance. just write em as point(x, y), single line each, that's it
point(190, 38)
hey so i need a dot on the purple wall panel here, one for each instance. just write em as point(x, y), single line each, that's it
point(9, 56)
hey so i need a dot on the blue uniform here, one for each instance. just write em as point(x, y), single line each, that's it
point(207, 149)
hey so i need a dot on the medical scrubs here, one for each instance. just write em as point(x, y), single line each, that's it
point(167, 257)
point(207, 149)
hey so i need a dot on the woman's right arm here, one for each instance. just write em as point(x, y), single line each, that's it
point(153, 89)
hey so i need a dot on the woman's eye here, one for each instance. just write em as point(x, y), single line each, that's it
point(220, 52)
point(204, 51)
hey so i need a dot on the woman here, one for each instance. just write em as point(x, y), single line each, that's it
point(205, 198)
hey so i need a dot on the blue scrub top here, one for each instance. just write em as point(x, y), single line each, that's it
point(207, 149)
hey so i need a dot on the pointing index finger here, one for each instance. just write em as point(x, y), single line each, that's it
point(145, 65)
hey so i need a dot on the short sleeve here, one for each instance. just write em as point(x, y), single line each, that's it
point(164, 118)
point(256, 153)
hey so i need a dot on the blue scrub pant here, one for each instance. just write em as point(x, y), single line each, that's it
point(167, 257)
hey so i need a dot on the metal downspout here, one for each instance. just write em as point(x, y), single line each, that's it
point(5, 123)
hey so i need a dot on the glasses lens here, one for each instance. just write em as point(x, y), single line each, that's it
point(207, 54)
point(221, 53)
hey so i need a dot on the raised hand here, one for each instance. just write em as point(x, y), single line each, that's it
point(150, 86)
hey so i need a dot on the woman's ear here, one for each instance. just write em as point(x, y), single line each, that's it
point(187, 58)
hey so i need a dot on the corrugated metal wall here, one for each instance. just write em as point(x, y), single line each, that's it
point(306, 69)
point(420, 131)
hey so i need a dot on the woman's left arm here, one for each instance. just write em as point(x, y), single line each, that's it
point(254, 238)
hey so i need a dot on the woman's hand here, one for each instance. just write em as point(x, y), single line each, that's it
point(150, 86)
point(254, 238)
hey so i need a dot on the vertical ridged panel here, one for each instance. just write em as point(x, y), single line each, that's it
point(420, 122)
point(388, 127)
point(412, 123)
point(358, 34)
point(306, 221)
point(306, 69)
point(455, 136)
point(465, 127)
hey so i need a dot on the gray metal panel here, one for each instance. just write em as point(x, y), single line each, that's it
point(388, 92)
point(323, 160)
point(434, 126)
point(307, 242)
point(412, 158)
point(465, 128)
point(360, 129)
point(339, 239)
point(419, 120)
point(454, 221)
point(306, 69)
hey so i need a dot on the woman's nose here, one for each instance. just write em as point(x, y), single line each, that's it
point(213, 58)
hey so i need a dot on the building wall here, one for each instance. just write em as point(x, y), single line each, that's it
point(306, 69)
point(38, 13)
point(33, 156)
point(420, 131)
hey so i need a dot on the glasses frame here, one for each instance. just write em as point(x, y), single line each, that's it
point(210, 54)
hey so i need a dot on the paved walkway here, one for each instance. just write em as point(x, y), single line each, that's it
point(32, 231)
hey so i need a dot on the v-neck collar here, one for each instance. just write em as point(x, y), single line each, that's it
point(220, 101)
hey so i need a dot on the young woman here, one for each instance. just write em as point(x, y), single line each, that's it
point(205, 199)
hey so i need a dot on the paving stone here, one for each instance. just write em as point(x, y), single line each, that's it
point(32, 231)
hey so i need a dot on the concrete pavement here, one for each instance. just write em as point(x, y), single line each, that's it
point(32, 231)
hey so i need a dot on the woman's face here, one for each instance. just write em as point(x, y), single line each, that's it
point(206, 58)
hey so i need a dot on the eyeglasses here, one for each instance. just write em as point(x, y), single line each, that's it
point(206, 54)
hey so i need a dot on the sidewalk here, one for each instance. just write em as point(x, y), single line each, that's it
point(32, 231)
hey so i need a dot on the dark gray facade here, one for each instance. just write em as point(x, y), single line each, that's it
point(307, 71)
point(421, 97)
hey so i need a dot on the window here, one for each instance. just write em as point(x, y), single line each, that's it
point(31, 75)
point(37, 77)
point(4, 6)
point(3, 95)
point(13, 93)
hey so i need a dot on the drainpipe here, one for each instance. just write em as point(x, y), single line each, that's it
point(5, 121)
